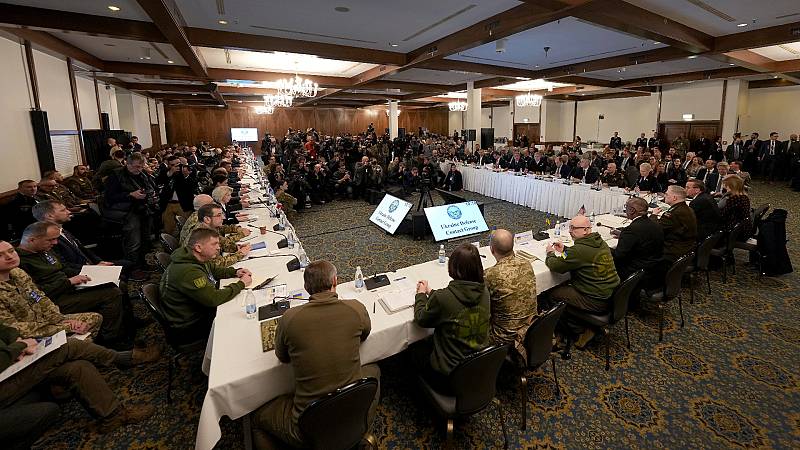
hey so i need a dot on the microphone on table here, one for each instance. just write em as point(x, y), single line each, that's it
point(283, 243)
point(291, 266)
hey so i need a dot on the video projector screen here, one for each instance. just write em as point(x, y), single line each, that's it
point(389, 213)
point(456, 220)
point(244, 134)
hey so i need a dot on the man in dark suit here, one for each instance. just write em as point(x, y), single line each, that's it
point(624, 160)
point(640, 245)
point(453, 181)
point(735, 150)
point(771, 153)
point(17, 214)
point(706, 210)
point(752, 147)
point(517, 164)
point(641, 141)
point(702, 147)
point(792, 156)
point(585, 172)
point(679, 225)
point(675, 173)
point(537, 164)
point(706, 171)
point(616, 141)
point(655, 142)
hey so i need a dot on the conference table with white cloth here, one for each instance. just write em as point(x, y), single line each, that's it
point(550, 196)
point(242, 377)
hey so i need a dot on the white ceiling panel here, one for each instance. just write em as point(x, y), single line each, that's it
point(128, 9)
point(368, 23)
point(281, 62)
point(721, 17)
point(570, 41)
point(782, 52)
point(436, 76)
point(658, 68)
point(123, 50)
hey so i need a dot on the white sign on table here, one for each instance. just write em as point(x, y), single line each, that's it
point(390, 213)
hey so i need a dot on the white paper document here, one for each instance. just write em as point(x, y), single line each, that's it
point(100, 275)
point(46, 345)
point(396, 301)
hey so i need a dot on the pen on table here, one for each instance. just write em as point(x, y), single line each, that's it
point(373, 307)
point(399, 279)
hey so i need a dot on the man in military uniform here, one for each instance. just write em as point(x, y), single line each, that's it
point(678, 223)
point(18, 211)
point(28, 309)
point(512, 293)
point(189, 294)
point(63, 193)
point(80, 184)
point(210, 216)
point(612, 177)
point(44, 266)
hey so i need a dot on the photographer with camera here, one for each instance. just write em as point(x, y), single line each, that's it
point(177, 187)
point(131, 200)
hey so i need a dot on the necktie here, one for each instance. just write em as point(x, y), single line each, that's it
point(705, 177)
point(771, 148)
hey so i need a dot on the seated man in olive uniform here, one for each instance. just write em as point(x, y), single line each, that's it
point(189, 293)
point(80, 183)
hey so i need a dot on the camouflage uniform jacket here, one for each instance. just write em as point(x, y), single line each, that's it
point(512, 292)
point(25, 307)
point(229, 235)
point(81, 187)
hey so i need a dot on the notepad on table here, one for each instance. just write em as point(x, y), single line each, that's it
point(268, 328)
point(258, 245)
point(396, 301)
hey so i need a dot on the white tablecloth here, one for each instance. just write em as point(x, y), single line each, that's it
point(241, 377)
point(548, 196)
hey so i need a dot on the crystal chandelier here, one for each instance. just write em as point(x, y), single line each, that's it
point(297, 87)
point(457, 106)
point(529, 100)
point(276, 100)
point(265, 109)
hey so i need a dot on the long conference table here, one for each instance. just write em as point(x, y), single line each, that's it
point(242, 377)
point(547, 195)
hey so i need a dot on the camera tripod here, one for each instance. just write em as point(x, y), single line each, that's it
point(424, 190)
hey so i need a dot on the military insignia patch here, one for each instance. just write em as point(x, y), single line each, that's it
point(200, 282)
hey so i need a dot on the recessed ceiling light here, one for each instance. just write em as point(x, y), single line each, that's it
point(193, 93)
point(393, 45)
point(691, 57)
point(240, 101)
point(342, 9)
point(743, 24)
point(222, 22)
point(656, 43)
point(731, 64)
point(113, 8)
point(169, 61)
point(775, 76)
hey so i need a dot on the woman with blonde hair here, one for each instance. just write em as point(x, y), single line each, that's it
point(737, 206)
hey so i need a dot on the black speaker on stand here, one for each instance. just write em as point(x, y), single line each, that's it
point(105, 124)
point(41, 137)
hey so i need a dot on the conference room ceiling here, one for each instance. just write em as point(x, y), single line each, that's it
point(684, 65)
point(721, 17)
point(413, 50)
point(570, 41)
point(407, 24)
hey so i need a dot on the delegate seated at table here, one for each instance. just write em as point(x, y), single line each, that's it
point(189, 294)
point(459, 315)
point(646, 182)
point(593, 276)
point(324, 358)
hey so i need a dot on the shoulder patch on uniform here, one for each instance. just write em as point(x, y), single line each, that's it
point(200, 282)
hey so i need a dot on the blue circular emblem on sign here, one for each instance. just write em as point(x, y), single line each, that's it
point(454, 212)
point(393, 206)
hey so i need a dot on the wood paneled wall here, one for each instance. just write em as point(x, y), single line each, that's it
point(214, 125)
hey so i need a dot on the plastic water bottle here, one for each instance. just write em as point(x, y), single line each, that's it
point(592, 218)
point(359, 280)
point(303, 257)
point(290, 240)
point(558, 228)
point(442, 255)
point(250, 304)
point(282, 220)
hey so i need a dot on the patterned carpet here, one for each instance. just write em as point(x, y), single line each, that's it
point(729, 379)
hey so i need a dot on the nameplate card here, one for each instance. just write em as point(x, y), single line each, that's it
point(523, 238)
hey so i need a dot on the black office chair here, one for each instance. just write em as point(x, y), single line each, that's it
point(179, 221)
point(339, 420)
point(169, 241)
point(752, 248)
point(152, 298)
point(539, 346)
point(473, 386)
point(726, 252)
point(701, 262)
point(670, 290)
point(619, 301)
point(163, 260)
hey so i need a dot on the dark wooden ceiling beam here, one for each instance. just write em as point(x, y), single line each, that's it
point(622, 16)
point(733, 72)
point(613, 62)
point(157, 70)
point(168, 87)
point(772, 82)
point(470, 67)
point(755, 62)
point(763, 37)
point(172, 29)
point(256, 75)
point(203, 96)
